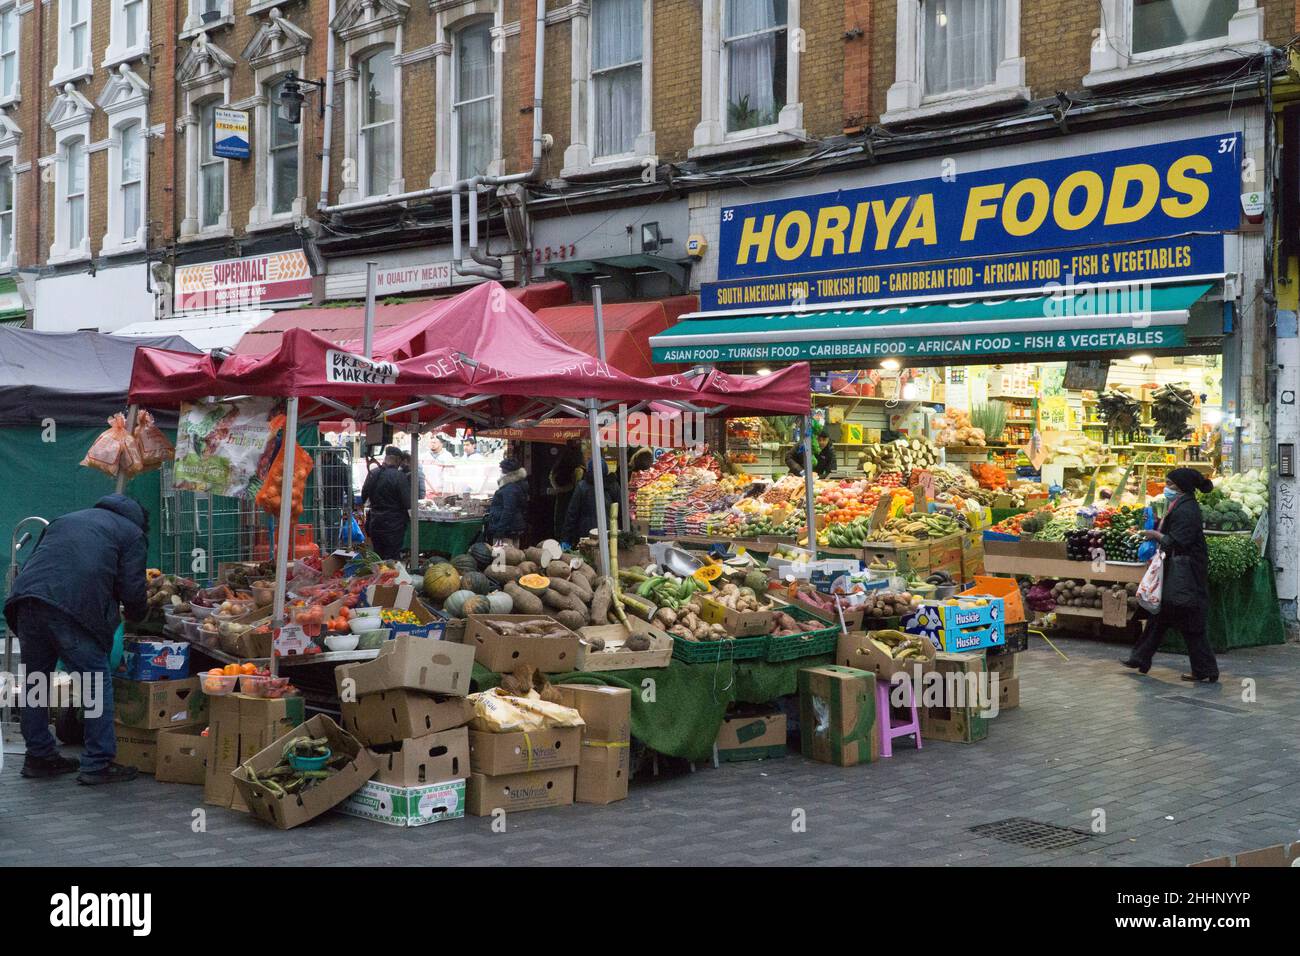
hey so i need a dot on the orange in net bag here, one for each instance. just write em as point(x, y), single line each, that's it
point(154, 446)
point(115, 449)
point(268, 497)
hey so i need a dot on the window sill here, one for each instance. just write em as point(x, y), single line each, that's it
point(748, 141)
point(63, 257)
point(107, 248)
point(1175, 60)
point(604, 167)
point(953, 104)
point(62, 77)
point(209, 232)
point(114, 57)
point(191, 30)
point(275, 222)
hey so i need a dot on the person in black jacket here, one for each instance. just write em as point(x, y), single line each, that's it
point(387, 490)
point(1181, 534)
point(824, 462)
point(64, 606)
point(581, 516)
point(507, 515)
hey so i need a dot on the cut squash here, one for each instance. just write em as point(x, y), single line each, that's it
point(535, 583)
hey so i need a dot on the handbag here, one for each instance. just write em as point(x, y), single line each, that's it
point(1151, 590)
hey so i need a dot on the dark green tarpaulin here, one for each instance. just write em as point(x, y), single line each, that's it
point(680, 712)
point(1243, 613)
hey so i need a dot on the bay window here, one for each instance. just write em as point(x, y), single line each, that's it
point(474, 103)
point(378, 123)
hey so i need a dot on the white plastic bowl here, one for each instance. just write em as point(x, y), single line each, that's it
point(343, 642)
point(202, 612)
point(360, 625)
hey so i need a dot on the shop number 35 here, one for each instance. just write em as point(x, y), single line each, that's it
point(547, 253)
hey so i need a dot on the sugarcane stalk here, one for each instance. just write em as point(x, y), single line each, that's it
point(615, 589)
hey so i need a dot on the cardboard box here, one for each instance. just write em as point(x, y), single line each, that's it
point(954, 628)
point(945, 555)
point(407, 806)
point(424, 760)
point(238, 727)
point(288, 812)
point(837, 715)
point(150, 705)
point(1283, 854)
point(502, 653)
point(855, 649)
point(1008, 693)
point(148, 660)
point(613, 658)
point(1114, 608)
point(410, 663)
point(136, 748)
point(519, 791)
point(1006, 666)
point(737, 623)
point(957, 719)
point(390, 716)
point(909, 559)
point(603, 772)
point(182, 755)
point(497, 754)
point(607, 711)
point(1005, 589)
point(403, 598)
point(752, 737)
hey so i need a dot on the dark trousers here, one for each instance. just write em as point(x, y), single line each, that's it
point(386, 531)
point(1190, 622)
point(47, 635)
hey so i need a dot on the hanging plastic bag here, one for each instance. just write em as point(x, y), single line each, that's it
point(114, 450)
point(1151, 590)
point(268, 496)
point(154, 446)
point(1147, 549)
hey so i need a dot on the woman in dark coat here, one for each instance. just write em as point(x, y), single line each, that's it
point(1181, 534)
point(507, 515)
point(581, 516)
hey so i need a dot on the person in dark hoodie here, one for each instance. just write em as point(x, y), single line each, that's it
point(1186, 596)
point(64, 606)
point(387, 490)
point(581, 516)
point(507, 516)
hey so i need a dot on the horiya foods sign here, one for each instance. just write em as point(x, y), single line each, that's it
point(1127, 215)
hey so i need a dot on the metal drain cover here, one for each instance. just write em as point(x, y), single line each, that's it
point(1032, 833)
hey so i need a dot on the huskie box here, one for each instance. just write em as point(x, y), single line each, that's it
point(960, 624)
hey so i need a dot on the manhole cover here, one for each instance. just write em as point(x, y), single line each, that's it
point(1032, 833)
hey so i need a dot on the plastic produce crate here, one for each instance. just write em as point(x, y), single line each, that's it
point(710, 652)
point(808, 644)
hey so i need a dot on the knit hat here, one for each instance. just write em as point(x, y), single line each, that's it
point(1188, 480)
point(509, 464)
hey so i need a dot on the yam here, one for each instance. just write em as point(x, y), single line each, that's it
point(586, 571)
point(525, 603)
point(581, 588)
point(533, 554)
point(561, 602)
point(499, 574)
point(528, 567)
point(558, 569)
point(564, 587)
point(571, 619)
point(600, 602)
point(594, 643)
point(512, 555)
point(637, 642)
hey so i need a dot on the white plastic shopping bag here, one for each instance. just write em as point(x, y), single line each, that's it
point(1152, 587)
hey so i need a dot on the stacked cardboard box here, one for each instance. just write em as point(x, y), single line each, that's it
point(960, 716)
point(238, 728)
point(408, 707)
point(604, 768)
point(146, 713)
point(752, 734)
point(837, 715)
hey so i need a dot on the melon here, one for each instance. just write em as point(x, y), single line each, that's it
point(476, 581)
point(756, 581)
point(455, 603)
point(441, 580)
point(500, 602)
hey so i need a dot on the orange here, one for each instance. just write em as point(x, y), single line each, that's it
point(248, 668)
point(215, 672)
point(230, 670)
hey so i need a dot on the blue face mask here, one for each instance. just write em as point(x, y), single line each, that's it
point(1171, 493)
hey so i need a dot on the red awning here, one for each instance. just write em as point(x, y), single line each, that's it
point(628, 327)
point(341, 325)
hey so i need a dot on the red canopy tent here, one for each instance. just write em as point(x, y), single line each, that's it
point(628, 327)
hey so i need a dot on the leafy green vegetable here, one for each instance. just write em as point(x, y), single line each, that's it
point(1231, 557)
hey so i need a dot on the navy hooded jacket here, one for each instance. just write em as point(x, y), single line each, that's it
point(582, 506)
point(507, 515)
point(86, 564)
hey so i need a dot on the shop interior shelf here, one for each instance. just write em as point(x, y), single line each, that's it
point(1011, 398)
point(1085, 612)
point(822, 398)
point(1061, 568)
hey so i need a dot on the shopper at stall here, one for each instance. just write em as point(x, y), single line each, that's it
point(824, 462)
point(581, 517)
point(1185, 595)
point(64, 606)
point(419, 472)
point(564, 477)
point(387, 490)
point(507, 515)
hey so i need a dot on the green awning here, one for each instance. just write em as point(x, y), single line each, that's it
point(1094, 320)
point(12, 311)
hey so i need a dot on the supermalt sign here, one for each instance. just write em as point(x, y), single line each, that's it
point(243, 283)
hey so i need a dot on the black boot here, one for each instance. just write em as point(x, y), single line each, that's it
point(1136, 665)
point(55, 766)
point(1193, 679)
point(113, 773)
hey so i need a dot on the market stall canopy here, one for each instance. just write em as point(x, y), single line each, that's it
point(203, 330)
point(628, 328)
point(345, 324)
point(74, 378)
point(1097, 319)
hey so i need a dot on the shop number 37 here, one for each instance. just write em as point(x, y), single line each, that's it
point(547, 253)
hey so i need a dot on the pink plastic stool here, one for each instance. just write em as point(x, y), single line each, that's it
point(884, 717)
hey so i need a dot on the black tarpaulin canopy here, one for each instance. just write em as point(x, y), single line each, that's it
point(74, 378)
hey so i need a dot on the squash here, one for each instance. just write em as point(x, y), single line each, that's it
point(500, 602)
point(482, 554)
point(463, 563)
point(455, 603)
point(440, 581)
point(477, 582)
point(478, 604)
point(755, 581)
point(535, 584)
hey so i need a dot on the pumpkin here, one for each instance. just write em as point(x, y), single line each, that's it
point(477, 582)
point(482, 555)
point(500, 602)
point(477, 604)
point(706, 574)
point(535, 583)
point(455, 603)
point(441, 580)
point(463, 563)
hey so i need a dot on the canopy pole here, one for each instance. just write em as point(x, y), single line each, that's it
point(131, 414)
point(624, 512)
point(415, 489)
point(809, 494)
point(598, 480)
point(371, 265)
point(284, 531)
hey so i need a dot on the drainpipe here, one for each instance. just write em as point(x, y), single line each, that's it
point(457, 258)
point(328, 131)
point(482, 258)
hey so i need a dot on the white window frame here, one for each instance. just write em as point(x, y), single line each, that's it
point(297, 205)
point(456, 102)
point(69, 118)
point(450, 18)
point(205, 75)
point(711, 134)
point(124, 100)
point(66, 71)
point(364, 26)
point(578, 158)
point(119, 50)
point(1114, 62)
point(907, 100)
point(11, 215)
point(205, 161)
point(71, 246)
point(194, 24)
point(10, 137)
point(278, 47)
point(9, 97)
point(364, 128)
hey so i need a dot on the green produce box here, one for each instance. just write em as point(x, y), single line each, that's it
point(407, 806)
point(837, 715)
point(965, 692)
point(154, 704)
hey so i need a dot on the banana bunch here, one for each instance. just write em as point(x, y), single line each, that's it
point(913, 527)
point(900, 646)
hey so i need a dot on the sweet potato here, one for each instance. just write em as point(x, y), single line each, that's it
point(525, 603)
